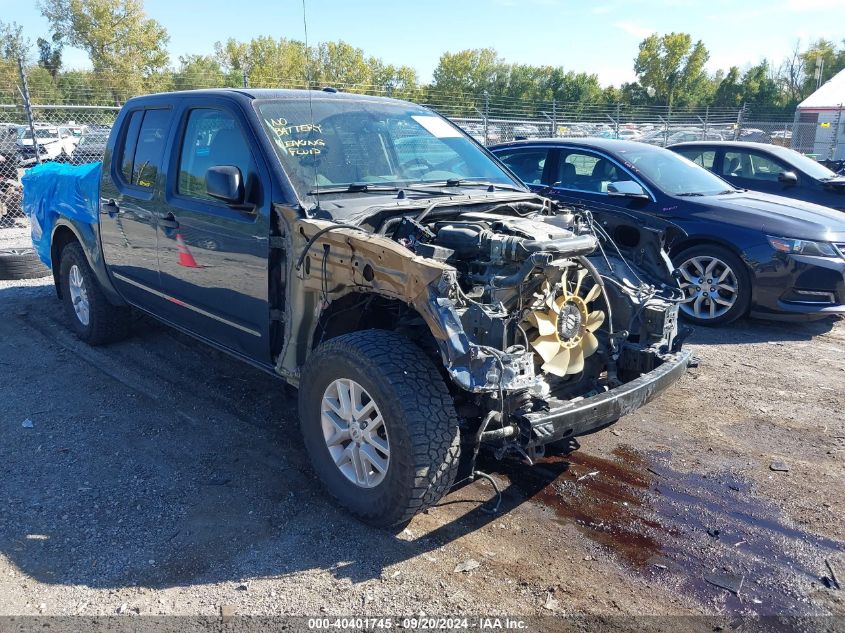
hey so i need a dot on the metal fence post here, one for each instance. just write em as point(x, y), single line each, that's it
point(739, 116)
point(27, 106)
point(246, 78)
point(618, 115)
point(486, 115)
point(834, 135)
point(554, 118)
point(706, 122)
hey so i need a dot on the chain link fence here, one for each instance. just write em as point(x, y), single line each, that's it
point(75, 129)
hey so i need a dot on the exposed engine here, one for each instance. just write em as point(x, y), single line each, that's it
point(551, 309)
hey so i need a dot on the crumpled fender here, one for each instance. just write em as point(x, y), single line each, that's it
point(362, 262)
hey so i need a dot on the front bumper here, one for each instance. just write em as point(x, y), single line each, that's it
point(591, 414)
point(797, 286)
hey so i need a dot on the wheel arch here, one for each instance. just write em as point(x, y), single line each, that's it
point(704, 240)
point(87, 236)
point(683, 244)
point(62, 236)
point(357, 311)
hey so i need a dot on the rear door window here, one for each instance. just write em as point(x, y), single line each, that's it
point(143, 147)
point(703, 157)
point(528, 164)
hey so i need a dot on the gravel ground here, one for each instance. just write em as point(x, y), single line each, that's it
point(157, 476)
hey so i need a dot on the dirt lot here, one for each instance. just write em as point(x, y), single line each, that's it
point(157, 476)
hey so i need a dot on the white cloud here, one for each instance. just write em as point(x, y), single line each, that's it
point(601, 10)
point(634, 29)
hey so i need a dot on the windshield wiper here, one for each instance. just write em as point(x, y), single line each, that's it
point(353, 187)
point(688, 194)
point(467, 182)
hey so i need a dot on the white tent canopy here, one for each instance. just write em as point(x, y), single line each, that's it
point(831, 96)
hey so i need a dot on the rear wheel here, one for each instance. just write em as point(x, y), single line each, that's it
point(92, 317)
point(379, 425)
point(716, 285)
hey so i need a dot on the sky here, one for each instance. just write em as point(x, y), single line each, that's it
point(598, 37)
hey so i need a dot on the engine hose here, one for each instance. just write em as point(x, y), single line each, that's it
point(586, 263)
point(511, 281)
point(499, 434)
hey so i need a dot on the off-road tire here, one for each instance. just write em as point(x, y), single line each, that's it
point(418, 412)
point(21, 263)
point(743, 301)
point(107, 323)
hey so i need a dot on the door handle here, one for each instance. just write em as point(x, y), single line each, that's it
point(168, 221)
point(111, 207)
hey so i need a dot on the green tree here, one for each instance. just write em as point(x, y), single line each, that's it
point(340, 64)
point(400, 82)
point(50, 55)
point(265, 62)
point(198, 71)
point(822, 55)
point(12, 42)
point(729, 93)
point(127, 49)
point(671, 68)
point(759, 88)
point(461, 78)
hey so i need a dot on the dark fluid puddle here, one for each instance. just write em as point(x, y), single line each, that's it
point(707, 536)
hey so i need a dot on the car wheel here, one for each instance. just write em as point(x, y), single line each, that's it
point(716, 285)
point(21, 263)
point(92, 317)
point(379, 425)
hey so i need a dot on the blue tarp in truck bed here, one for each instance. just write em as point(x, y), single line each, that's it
point(52, 190)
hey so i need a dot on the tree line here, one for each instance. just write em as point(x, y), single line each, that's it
point(128, 54)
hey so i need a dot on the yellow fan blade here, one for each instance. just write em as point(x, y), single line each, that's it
point(593, 294)
point(582, 272)
point(546, 322)
point(558, 364)
point(589, 344)
point(546, 347)
point(576, 361)
point(594, 320)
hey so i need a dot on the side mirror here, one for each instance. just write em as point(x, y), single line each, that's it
point(225, 183)
point(626, 189)
point(788, 178)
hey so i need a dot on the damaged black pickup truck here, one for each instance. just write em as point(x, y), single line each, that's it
point(425, 303)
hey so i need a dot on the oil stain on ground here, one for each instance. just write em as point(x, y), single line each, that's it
point(707, 536)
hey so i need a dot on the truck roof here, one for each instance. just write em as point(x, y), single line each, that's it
point(249, 94)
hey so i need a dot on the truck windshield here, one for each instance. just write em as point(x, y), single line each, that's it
point(330, 143)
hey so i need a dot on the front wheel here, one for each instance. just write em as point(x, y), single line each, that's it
point(716, 285)
point(379, 425)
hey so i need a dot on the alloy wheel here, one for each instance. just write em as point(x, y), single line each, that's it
point(79, 295)
point(355, 433)
point(710, 287)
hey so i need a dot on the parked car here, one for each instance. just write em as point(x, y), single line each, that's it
point(743, 251)
point(52, 143)
point(422, 313)
point(629, 134)
point(769, 168)
point(91, 147)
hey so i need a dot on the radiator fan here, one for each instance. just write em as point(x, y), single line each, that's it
point(564, 326)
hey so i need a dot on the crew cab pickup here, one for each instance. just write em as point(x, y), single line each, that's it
point(424, 301)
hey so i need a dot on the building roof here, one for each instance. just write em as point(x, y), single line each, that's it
point(829, 97)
